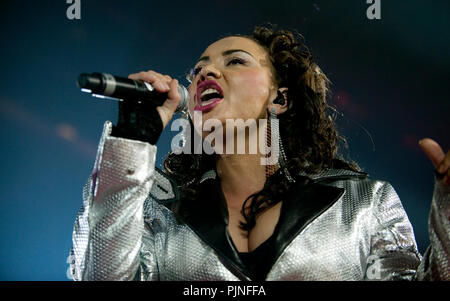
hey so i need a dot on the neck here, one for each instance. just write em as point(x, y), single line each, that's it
point(241, 175)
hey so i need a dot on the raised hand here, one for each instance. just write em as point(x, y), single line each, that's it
point(441, 161)
point(162, 83)
point(142, 120)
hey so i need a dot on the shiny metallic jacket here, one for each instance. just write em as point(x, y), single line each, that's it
point(345, 226)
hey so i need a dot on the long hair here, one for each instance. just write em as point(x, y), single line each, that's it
point(307, 128)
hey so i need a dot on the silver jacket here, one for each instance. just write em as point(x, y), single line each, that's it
point(343, 227)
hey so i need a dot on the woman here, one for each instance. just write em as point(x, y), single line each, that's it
point(306, 216)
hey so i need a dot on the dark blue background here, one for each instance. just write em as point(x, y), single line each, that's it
point(390, 76)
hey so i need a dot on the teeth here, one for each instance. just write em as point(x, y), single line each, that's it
point(209, 91)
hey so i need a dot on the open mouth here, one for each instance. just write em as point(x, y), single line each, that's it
point(209, 94)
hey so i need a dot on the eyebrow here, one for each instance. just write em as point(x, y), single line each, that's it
point(225, 53)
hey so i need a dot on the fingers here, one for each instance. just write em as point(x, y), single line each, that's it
point(433, 151)
point(173, 98)
point(173, 92)
point(162, 83)
point(159, 81)
point(169, 106)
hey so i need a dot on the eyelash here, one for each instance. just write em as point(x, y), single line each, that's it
point(231, 62)
point(239, 60)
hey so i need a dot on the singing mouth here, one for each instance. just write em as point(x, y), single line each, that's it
point(209, 94)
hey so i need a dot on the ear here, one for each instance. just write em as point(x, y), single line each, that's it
point(277, 103)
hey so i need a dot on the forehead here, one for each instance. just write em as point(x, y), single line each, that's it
point(241, 43)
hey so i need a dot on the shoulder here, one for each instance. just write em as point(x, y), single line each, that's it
point(375, 199)
point(358, 186)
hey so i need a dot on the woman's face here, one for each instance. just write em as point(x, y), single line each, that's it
point(231, 80)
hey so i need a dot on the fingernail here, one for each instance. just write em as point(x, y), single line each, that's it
point(167, 86)
point(441, 168)
point(420, 141)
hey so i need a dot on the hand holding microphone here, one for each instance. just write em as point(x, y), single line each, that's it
point(149, 101)
point(162, 84)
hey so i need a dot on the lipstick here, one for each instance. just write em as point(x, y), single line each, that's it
point(209, 103)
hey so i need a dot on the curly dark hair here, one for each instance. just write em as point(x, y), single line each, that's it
point(307, 128)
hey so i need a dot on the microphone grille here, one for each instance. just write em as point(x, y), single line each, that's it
point(184, 102)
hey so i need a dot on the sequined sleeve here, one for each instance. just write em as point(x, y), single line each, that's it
point(436, 262)
point(393, 248)
point(394, 254)
point(108, 231)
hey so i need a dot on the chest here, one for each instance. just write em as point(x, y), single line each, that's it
point(326, 250)
point(264, 227)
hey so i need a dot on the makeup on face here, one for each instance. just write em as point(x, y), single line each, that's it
point(230, 81)
point(209, 93)
point(225, 54)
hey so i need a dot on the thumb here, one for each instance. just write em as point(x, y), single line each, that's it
point(433, 151)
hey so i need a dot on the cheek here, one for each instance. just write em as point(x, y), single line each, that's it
point(251, 89)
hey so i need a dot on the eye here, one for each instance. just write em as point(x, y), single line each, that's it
point(236, 61)
point(193, 73)
point(196, 70)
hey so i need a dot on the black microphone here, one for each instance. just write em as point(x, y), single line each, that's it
point(105, 85)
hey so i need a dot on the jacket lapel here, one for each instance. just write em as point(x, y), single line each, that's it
point(303, 205)
point(208, 218)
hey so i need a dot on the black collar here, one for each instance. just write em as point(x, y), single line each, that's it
point(307, 199)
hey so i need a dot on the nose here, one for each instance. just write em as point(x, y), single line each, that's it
point(208, 72)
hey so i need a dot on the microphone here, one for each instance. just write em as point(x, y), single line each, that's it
point(104, 85)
